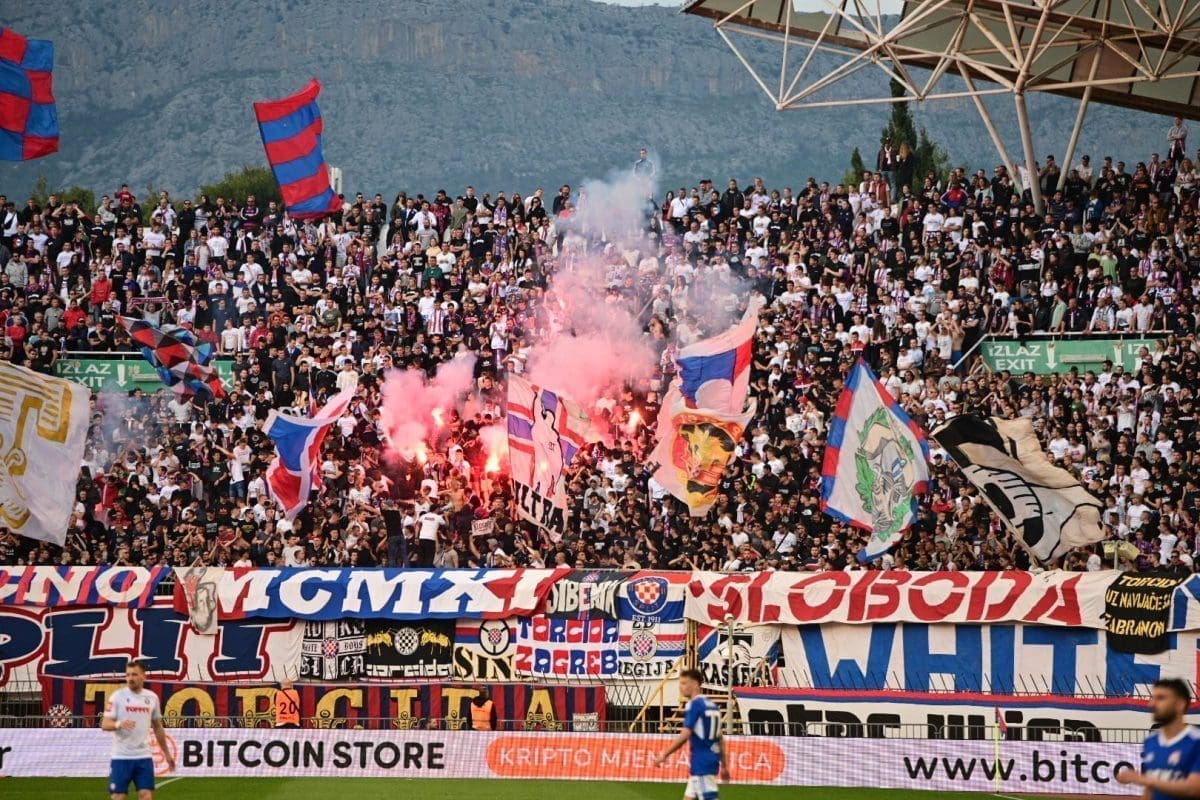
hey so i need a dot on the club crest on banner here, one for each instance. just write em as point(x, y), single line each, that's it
point(647, 596)
point(495, 636)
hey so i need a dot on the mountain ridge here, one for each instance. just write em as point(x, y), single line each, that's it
point(430, 94)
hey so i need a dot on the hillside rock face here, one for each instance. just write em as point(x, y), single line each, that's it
point(426, 94)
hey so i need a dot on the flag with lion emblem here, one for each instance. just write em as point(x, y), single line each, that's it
point(876, 463)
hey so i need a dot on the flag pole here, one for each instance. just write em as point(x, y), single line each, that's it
point(996, 751)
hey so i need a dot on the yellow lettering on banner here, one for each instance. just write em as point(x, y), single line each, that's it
point(326, 715)
point(453, 698)
point(540, 714)
point(98, 693)
point(257, 704)
point(174, 710)
point(47, 405)
point(402, 716)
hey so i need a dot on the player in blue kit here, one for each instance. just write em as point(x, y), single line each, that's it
point(1171, 754)
point(702, 733)
point(131, 714)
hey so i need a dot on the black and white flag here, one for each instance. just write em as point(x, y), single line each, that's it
point(1045, 507)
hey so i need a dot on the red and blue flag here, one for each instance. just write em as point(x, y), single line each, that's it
point(291, 134)
point(292, 476)
point(28, 116)
point(182, 362)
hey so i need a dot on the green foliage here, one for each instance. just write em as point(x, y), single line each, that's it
point(864, 479)
point(249, 180)
point(901, 127)
point(854, 175)
point(928, 155)
point(86, 198)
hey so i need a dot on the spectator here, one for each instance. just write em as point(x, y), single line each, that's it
point(910, 279)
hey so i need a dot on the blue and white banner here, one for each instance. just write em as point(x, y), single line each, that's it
point(652, 630)
point(54, 587)
point(748, 660)
point(564, 648)
point(1026, 659)
point(876, 463)
point(393, 594)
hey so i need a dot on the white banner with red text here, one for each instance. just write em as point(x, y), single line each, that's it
point(1050, 598)
point(1024, 767)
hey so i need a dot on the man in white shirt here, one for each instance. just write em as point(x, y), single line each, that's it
point(430, 521)
point(131, 714)
point(933, 221)
point(154, 241)
point(218, 246)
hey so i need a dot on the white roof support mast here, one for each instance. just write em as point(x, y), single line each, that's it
point(1138, 54)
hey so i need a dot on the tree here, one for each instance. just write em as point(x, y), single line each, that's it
point(249, 180)
point(928, 155)
point(86, 198)
point(901, 127)
point(854, 175)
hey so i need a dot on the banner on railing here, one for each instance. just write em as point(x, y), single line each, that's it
point(1027, 659)
point(1092, 599)
point(484, 649)
point(407, 706)
point(80, 586)
point(1078, 768)
point(1050, 598)
point(394, 594)
point(566, 648)
point(745, 659)
point(957, 715)
point(95, 641)
point(651, 628)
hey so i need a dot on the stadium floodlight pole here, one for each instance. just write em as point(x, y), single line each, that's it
point(986, 117)
point(1084, 101)
point(1035, 184)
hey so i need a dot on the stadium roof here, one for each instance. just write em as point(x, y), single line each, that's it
point(1145, 53)
point(1138, 54)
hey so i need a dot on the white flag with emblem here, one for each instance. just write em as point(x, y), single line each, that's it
point(43, 430)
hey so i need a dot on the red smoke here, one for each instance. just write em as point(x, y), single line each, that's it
point(413, 405)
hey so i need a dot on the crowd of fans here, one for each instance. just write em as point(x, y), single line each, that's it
point(908, 273)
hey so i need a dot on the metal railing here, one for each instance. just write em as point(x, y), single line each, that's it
point(550, 727)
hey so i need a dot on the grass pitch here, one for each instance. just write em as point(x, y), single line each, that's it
point(436, 789)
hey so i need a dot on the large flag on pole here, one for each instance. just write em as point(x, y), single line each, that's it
point(28, 113)
point(291, 133)
point(705, 414)
point(545, 431)
point(1044, 506)
point(292, 475)
point(43, 430)
point(876, 463)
